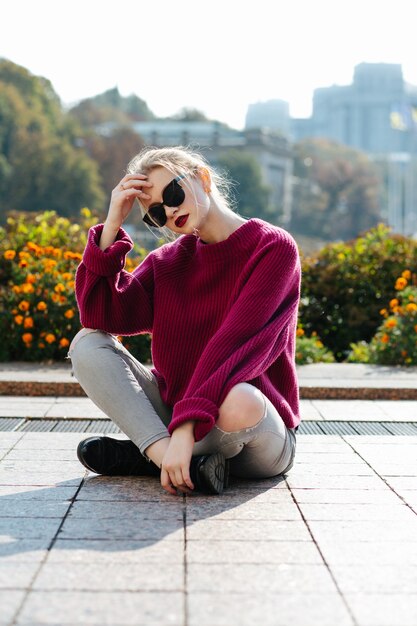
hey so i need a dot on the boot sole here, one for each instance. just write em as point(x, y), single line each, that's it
point(215, 473)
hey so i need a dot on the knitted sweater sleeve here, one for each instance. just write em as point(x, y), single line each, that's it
point(110, 298)
point(251, 337)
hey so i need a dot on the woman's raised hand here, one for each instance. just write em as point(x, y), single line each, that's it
point(123, 196)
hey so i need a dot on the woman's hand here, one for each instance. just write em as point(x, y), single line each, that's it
point(175, 467)
point(123, 196)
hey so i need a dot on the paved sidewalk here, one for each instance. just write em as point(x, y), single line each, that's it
point(335, 544)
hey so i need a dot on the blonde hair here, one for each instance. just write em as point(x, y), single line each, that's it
point(181, 160)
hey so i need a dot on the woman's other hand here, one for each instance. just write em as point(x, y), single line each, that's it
point(175, 468)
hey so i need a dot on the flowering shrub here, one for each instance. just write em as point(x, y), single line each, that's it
point(344, 284)
point(311, 349)
point(38, 311)
point(395, 342)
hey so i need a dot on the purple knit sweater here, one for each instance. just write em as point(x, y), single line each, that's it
point(219, 314)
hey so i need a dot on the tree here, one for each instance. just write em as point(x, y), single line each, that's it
point(336, 195)
point(42, 166)
point(110, 106)
point(251, 195)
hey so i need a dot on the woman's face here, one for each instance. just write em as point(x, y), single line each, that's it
point(194, 208)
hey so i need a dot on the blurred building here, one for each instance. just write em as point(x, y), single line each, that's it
point(271, 115)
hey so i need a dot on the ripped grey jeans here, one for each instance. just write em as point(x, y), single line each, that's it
point(127, 392)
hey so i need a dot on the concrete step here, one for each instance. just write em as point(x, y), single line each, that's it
point(348, 381)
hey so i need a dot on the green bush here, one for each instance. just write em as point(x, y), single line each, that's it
point(344, 284)
point(395, 342)
point(311, 349)
point(39, 255)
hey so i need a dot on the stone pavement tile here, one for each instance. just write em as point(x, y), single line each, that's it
point(33, 508)
point(39, 478)
point(306, 481)
point(271, 496)
point(362, 531)
point(346, 496)
point(345, 457)
point(244, 530)
point(381, 440)
point(135, 510)
point(309, 412)
point(120, 489)
point(114, 577)
point(248, 511)
point(68, 454)
point(73, 408)
point(256, 578)
point(364, 553)
point(37, 492)
point(117, 551)
point(331, 469)
point(384, 609)
point(23, 550)
point(29, 528)
point(367, 512)
point(17, 575)
point(39, 466)
point(400, 410)
point(128, 528)
point(371, 578)
point(402, 484)
point(350, 410)
point(221, 609)
point(255, 552)
point(10, 602)
point(49, 441)
point(306, 444)
point(385, 469)
point(104, 609)
point(9, 439)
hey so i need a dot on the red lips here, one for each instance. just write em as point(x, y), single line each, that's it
point(180, 221)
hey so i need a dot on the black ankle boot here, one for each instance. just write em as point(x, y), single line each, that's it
point(210, 473)
point(114, 457)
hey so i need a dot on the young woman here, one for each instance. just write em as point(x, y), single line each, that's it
point(221, 303)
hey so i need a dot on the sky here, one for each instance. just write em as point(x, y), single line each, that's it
point(218, 56)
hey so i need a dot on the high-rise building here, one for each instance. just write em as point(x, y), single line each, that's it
point(269, 115)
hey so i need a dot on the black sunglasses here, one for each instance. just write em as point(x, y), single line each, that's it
point(172, 195)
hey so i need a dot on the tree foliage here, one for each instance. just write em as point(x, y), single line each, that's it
point(336, 195)
point(250, 193)
point(41, 162)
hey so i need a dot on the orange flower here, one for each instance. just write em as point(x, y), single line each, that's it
point(32, 246)
point(406, 274)
point(23, 263)
point(411, 307)
point(384, 312)
point(49, 250)
point(59, 288)
point(64, 343)
point(41, 344)
point(403, 352)
point(55, 297)
point(400, 283)
point(9, 255)
point(31, 278)
point(18, 319)
point(42, 306)
point(27, 288)
point(394, 302)
point(24, 255)
point(69, 314)
point(16, 289)
point(27, 338)
point(50, 338)
point(66, 276)
point(70, 284)
point(28, 323)
point(415, 328)
point(24, 305)
point(300, 332)
point(392, 323)
point(385, 338)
